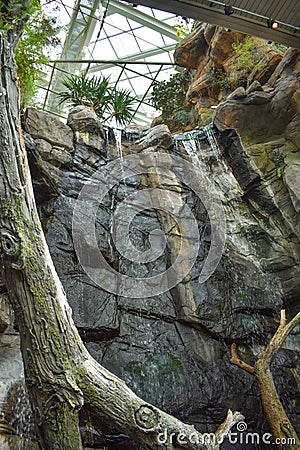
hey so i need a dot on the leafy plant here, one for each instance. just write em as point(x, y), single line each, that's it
point(10, 10)
point(40, 34)
point(91, 92)
point(206, 116)
point(222, 80)
point(121, 105)
point(250, 57)
point(170, 98)
point(184, 27)
point(95, 92)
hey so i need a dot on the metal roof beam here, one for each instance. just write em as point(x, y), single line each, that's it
point(142, 18)
point(134, 58)
point(80, 31)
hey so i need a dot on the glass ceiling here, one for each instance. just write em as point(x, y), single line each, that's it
point(133, 45)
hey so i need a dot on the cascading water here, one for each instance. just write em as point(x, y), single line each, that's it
point(202, 146)
point(211, 138)
point(118, 137)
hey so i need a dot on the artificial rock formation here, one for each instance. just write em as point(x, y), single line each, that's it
point(209, 51)
point(264, 111)
point(268, 122)
point(174, 349)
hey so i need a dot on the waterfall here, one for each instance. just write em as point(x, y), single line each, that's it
point(106, 131)
point(214, 145)
point(202, 147)
point(211, 138)
point(204, 151)
point(118, 137)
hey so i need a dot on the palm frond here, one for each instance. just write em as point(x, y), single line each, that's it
point(121, 105)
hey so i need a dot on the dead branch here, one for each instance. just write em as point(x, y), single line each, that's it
point(281, 426)
point(238, 362)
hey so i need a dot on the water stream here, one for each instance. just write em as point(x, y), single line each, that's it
point(118, 137)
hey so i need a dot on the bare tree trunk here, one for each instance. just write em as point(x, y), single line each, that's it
point(36, 294)
point(60, 374)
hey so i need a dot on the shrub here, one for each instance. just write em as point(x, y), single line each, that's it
point(170, 98)
point(40, 34)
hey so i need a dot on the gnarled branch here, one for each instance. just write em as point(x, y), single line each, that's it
point(238, 362)
point(278, 420)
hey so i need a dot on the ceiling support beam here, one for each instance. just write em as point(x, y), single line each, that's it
point(142, 18)
point(80, 31)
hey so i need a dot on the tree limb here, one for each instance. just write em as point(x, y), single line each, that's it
point(279, 337)
point(231, 420)
point(281, 426)
point(238, 362)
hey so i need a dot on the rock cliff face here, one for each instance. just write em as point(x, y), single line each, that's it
point(173, 348)
point(218, 67)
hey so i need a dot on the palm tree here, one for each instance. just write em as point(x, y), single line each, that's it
point(96, 93)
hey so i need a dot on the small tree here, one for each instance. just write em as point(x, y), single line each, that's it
point(32, 53)
point(95, 92)
point(170, 98)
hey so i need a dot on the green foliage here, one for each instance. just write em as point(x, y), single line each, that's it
point(83, 91)
point(121, 105)
point(184, 27)
point(96, 93)
point(280, 48)
point(222, 80)
point(170, 98)
point(206, 116)
point(249, 57)
point(40, 34)
point(14, 11)
point(243, 294)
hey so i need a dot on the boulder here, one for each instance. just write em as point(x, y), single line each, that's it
point(260, 115)
point(210, 50)
point(86, 126)
point(291, 176)
point(157, 136)
point(43, 125)
point(192, 48)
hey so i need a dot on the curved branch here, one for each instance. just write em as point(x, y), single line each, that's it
point(238, 362)
point(110, 399)
point(279, 337)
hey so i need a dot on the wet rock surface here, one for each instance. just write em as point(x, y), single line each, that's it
point(174, 349)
